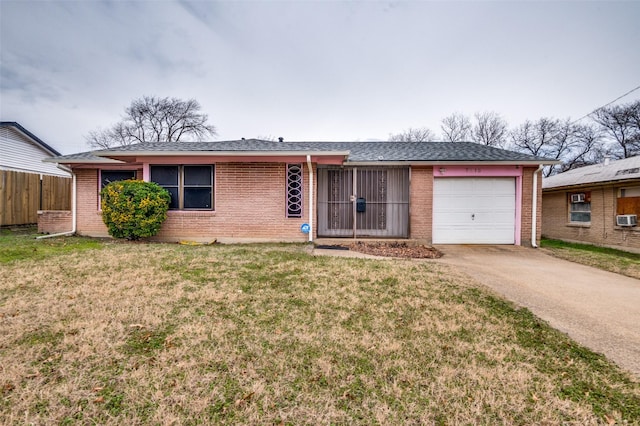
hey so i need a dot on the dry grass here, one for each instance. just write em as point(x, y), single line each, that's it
point(169, 334)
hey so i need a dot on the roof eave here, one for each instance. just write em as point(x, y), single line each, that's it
point(83, 161)
point(121, 154)
point(452, 163)
point(635, 180)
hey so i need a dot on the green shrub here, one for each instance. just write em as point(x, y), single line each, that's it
point(134, 209)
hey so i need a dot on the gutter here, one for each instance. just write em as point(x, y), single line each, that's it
point(203, 153)
point(474, 163)
point(534, 207)
point(581, 185)
point(310, 166)
point(73, 212)
point(99, 160)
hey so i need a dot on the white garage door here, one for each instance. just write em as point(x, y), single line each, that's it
point(474, 210)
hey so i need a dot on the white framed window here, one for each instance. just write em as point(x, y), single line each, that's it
point(580, 207)
point(190, 186)
point(295, 190)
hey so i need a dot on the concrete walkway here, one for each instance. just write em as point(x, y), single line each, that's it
point(598, 309)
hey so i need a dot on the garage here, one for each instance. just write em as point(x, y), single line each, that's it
point(474, 210)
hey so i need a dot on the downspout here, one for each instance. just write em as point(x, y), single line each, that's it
point(310, 166)
point(73, 212)
point(534, 207)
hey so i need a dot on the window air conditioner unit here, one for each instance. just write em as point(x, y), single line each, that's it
point(627, 220)
point(577, 198)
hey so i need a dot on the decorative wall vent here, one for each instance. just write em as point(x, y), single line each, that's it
point(294, 190)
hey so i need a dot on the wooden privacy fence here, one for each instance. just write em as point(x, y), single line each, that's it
point(23, 194)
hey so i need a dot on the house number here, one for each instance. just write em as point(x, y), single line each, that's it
point(474, 170)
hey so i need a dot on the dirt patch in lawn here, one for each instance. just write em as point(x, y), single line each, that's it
point(394, 249)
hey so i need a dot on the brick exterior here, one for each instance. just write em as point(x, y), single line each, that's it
point(602, 229)
point(88, 217)
point(54, 221)
point(421, 204)
point(527, 206)
point(250, 205)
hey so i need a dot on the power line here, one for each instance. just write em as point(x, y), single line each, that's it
point(557, 133)
point(607, 104)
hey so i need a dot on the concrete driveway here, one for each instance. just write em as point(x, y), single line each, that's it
point(600, 310)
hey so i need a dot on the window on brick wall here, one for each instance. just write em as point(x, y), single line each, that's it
point(191, 187)
point(108, 176)
point(580, 207)
point(628, 201)
point(294, 190)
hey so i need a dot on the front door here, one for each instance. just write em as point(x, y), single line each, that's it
point(363, 202)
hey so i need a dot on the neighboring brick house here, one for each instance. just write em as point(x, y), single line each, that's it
point(255, 190)
point(595, 204)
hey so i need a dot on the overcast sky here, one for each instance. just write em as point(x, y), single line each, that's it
point(312, 70)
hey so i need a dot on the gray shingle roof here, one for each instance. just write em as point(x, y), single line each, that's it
point(81, 157)
point(628, 168)
point(358, 152)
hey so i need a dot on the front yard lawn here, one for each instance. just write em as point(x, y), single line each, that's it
point(608, 259)
point(20, 243)
point(268, 334)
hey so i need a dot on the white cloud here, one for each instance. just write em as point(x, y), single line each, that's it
point(311, 70)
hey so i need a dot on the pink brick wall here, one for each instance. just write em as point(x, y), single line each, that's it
point(527, 205)
point(88, 217)
point(250, 204)
point(421, 203)
point(54, 221)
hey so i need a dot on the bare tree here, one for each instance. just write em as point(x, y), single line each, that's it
point(489, 129)
point(456, 128)
point(634, 112)
point(622, 125)
point(573, 144)
point(418, 134)
point(153, 119)
point(534, 137)
point(587, 148)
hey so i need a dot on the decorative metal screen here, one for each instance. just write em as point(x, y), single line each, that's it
point(294, 190)
point(372, 186)
point(383, 194)
point(339, 206)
